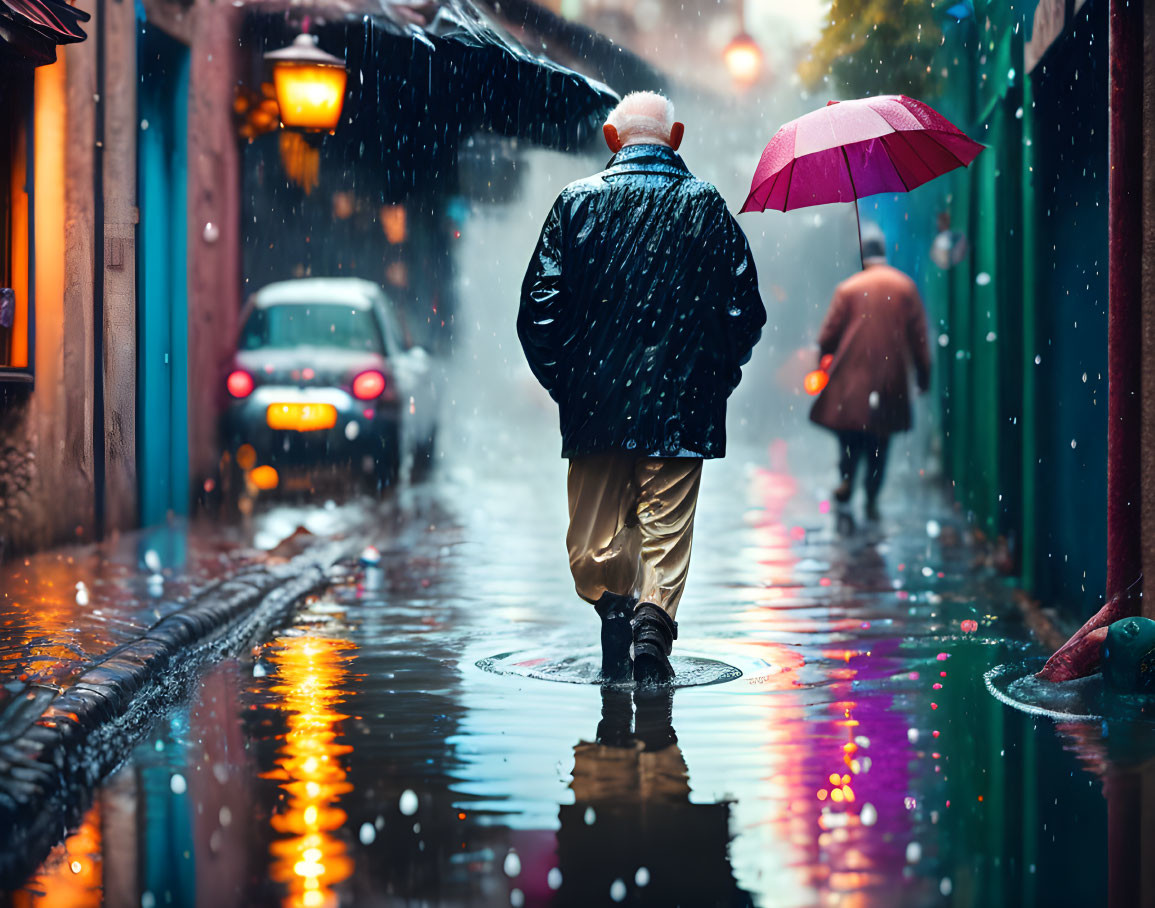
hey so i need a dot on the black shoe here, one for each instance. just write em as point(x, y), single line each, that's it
point(654, 636)
point(617, 635)
point(843, 492)
point(872, 511)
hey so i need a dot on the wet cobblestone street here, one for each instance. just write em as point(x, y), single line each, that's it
point(362, 757)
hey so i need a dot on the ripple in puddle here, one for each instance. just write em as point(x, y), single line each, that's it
point(689, 671)
point(1085, 699)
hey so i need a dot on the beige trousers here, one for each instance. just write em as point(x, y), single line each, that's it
point(631, 522)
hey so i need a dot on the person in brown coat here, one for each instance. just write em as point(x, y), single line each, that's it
point(876, 331)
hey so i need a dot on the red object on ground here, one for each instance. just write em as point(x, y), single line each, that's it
point(1080, 655)
point(852, 149)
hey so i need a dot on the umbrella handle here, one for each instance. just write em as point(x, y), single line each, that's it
point(858, 223)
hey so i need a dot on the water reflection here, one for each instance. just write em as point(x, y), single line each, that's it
point(632, 830)
point(309, 859)
point(71, 877)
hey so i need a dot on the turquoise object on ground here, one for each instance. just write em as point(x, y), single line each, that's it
point(1129, 655)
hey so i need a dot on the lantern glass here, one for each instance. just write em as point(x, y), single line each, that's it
point(310, 95)
point(744, 60)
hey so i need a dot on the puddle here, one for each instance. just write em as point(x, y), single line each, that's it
point(584, 668)
point(1082, 700)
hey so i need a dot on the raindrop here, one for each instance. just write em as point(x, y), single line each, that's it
point(945, 886)
point(618, 890)
point(211, 233)
point(874, 400)
point(982, 278)
point(943, 340)
point(1038, 359)
point(928, 572)
point(933, 529)
point(991, 337)
point(512, 865)
point(912, 735)
point(869, 815)
point(368, 834)
point(178, 784)
point(590, 816)
point(1073, 444)
point(553, 878)
point(642, 877)
point(913, 853)
point(259, 670)
point(225, 816)
point(516, 898)
point(408, 803)
point(81, 594)
point(152, 561)
point(147, 900)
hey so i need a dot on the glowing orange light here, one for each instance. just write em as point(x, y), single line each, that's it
point(393, 222)
point(301, 417)
point(265, 478)
point(815, 381)
point(246, 457)
point(743, 59)
point(310, 85)
point(311, 859)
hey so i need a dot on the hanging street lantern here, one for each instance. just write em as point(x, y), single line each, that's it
point(310, 85)
point(743, 59)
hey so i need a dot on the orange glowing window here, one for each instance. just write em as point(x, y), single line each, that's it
point(393, 223)
point(15, 317)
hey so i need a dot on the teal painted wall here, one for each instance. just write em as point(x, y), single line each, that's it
point(162, 279)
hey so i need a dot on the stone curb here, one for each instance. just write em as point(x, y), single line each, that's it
point(55, 747)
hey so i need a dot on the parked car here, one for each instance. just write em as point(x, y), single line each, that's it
point(325, 376)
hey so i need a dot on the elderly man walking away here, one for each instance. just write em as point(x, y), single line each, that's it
point(638, 309)
point(875, 330)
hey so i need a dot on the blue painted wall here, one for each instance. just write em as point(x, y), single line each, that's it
point(162, 280)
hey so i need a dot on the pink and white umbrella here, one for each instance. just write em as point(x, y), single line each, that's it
point(851, 149)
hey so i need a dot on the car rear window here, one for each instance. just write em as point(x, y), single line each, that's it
point(323, 325)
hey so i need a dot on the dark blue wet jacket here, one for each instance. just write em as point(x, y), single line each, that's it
point(639, 307)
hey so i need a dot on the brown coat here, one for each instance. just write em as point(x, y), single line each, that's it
point(876, 330)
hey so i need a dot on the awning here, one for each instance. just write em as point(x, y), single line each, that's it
point(32, 29)
point(443, 68)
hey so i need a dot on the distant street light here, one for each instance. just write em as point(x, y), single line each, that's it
point(310, 85)
point(743, 58)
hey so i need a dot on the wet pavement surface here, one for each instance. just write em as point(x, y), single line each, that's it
point(369, 752)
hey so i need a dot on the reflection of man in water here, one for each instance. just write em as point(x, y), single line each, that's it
point(639, 308)
point(632, 829)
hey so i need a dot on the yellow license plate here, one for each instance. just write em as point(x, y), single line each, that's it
point(301, 417)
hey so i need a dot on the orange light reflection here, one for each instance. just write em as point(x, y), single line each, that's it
point(71, 877)
point(310, 859)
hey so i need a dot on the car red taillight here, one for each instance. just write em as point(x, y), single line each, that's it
point(369, 385)
point(239, 383)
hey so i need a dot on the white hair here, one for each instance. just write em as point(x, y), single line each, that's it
point(643, 115)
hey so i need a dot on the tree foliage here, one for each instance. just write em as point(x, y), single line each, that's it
point(873, 47)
